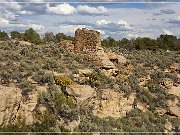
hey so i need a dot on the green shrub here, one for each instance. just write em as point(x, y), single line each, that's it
point(59, 103)
point(124, 86)
point(94, 79)
point(140, 72)
point(99, 80)
point(6, 77)
point(157, 76)
point(42, 78)
point(62, 80)
point(26, 87)
point(50, 64)
point(173, 77)
point(134, 113)
point(61, 99)
point(3, 35)
point(134, 83)
point(60, 36)
point(45, 125)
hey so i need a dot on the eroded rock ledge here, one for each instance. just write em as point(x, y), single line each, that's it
point(14, 107)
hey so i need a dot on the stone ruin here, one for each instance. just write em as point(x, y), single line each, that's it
point(68, 44)
point(86, 40)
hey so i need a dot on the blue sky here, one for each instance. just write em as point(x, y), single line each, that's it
point(143, 18)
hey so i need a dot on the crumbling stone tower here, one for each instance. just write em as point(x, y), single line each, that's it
point(86, 40)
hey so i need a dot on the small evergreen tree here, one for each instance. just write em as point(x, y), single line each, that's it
point(61, 36)
point(109, 42)
point(176, 45)
point(16, 35)
point(166, 41)
point(49, 36)
point(32, 36)
point(123, 42)
point(3, 35)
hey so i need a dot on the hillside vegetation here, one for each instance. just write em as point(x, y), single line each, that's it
point(152, 72)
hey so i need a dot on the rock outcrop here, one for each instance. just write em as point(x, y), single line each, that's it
point(14, 107)
point(173, 107)
point(106, 63)
point(174, 91)
point(168, 127)
point(10, 102)
point(113, 104)
point(82, 75)
point(104, 102)
point(81, 93)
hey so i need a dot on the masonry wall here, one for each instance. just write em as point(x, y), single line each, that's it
point(86, 40)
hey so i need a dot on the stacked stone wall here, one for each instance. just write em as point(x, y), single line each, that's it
point(86, 40)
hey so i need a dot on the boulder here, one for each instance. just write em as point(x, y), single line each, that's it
point(174, 90)
point(116, 58)
point(113, 104)
point(168, 126)
point(84, 72)
point(82, 75)
point(160, 111)
point(142, 107)
point(173, 107)
point(167, 83)
point(105, 61)
point(80, 92)
point(175, 67)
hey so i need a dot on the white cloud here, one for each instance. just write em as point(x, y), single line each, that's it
point(175, 19)
point(113, 26)
point(7, 24)
point(36, 0)
point(168, 32)
point(117, 24)
point(63, 9)
point(124, 23)
point(37, 27)
point(132, 35)
point(69, 29)
point(167, 11)
point(105, 0)
point(4, 22)
point(14, 6)
point(25, 12)
point(8, 15)
point(102, 22)
point(84, 9)
point(101, 32)
point(18, 25)
point(66, 9)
